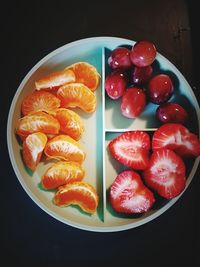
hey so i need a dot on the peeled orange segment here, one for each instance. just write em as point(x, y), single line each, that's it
point(33, 147)
point(40, 101)
point(79, 193)
point(77, 95)
point(63, 147)
point(70, 123)
point(37, 122)
point(55, 79)
point(86, 73)
point(61, 173)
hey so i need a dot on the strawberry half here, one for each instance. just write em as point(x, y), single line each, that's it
point(166, 173)
point(131, 149)
point(178, 138)
point(129, 195)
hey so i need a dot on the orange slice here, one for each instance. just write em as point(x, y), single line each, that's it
point(33, 147)
point(61, 173)
point(55, 79)
point(86, 73)
point(40, 101)
point(77, 95)
point(70, 123)
point(37, 122)
point(65, 148)
point(79, 193)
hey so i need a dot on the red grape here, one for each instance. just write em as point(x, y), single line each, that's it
point(115, 84)
point(120, 58)
point(143, 53)
point(160, 89)
point(133, 102)
point(171, 112)
point(142, 74)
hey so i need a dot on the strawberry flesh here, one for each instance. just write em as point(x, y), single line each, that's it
point(177, 138)
point(131, 149)
point(165, 173)
point(129, 195)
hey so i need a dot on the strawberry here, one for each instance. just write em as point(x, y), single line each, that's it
point(190, 147)
point(165, 173)
point(178, 138)
point(131, 149)
point(129, 195)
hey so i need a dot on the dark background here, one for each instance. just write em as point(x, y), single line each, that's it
point(31, 30)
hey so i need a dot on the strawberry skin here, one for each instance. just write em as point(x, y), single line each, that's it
point(165, 173)
point(177, 138)
point(131, 149)
point(129, 195)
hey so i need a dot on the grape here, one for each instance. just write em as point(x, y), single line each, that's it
point(142, 75)
point(160, 89)
point(133, 102)
point(120, 58)
point(171, 112)
point(115, 84)
point(143, 53)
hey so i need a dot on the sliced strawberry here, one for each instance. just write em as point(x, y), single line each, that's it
point(190, 147)
point(168, 135)
point(178, 138)
point(131, 149)
point(129, 195)
point(166, 173)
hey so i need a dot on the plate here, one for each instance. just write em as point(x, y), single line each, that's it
point(101, 126)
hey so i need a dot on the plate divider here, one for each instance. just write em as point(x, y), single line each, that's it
point(103, 132)
point(122, 130)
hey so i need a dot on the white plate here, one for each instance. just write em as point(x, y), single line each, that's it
point(101, 127)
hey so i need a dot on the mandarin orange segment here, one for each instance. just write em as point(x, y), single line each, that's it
point(37, 122)
point(86, 73)
point(77, 95)
point(64, 147)
point(55, 79)
point(33, 147)
point(70, 123)
point(40, 101)
point(61, 173)
point(79, 193)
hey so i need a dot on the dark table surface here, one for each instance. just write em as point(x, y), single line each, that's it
point(29, 236)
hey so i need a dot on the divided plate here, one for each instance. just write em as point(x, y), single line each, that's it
point(100, 127)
